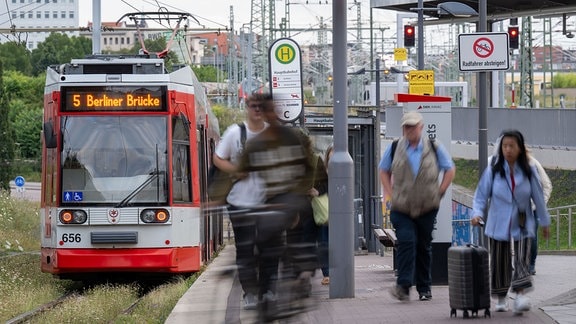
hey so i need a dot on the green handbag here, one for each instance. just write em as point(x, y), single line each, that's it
point(320, 207)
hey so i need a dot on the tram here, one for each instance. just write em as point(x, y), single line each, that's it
point(126, 148)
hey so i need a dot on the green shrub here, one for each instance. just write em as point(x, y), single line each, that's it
point(227, 116)
point(19, 225)
point(564, 80)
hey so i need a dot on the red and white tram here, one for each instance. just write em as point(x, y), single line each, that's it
point(126, 148)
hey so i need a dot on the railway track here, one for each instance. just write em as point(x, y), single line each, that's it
point(24, 317)
point(129, 309)
point(75, 296)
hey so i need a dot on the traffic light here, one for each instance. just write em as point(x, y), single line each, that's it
point(513, 35)
point(409, 36)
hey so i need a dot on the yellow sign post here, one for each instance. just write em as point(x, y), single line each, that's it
point(421, 82)
point(400, 54)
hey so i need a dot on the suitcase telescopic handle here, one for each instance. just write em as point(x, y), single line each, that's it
point(481, 234)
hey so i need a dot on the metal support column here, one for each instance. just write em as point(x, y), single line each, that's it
point(526, 67)
point(341, 172)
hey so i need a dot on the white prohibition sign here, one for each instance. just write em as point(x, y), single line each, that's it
point(483, 47)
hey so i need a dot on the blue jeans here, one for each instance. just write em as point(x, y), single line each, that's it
point(414, 250)
point(246, 260)
point(302, 241)
point(323, 250)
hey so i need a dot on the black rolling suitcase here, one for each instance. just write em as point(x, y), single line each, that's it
point(468, 280)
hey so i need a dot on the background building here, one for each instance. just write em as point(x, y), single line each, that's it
point(33, 20)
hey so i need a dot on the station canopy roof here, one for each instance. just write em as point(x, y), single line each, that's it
point(495, 9)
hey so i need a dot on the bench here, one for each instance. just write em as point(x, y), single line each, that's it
point(386, 236)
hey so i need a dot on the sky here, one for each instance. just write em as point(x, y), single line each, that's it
point(216, 13)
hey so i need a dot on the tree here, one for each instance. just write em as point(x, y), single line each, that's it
point(227, 116)
point(16, 57)
point(205, 73)
point(6, 138)
point(24, 96)
point(27, 129)
point(58, 49)
point(28, 89)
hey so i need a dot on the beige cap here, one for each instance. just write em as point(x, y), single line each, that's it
point(411, 118)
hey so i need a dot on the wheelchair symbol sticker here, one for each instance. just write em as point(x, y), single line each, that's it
point(73, 196)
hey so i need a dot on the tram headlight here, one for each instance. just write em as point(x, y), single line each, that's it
point(73, 216)
point(154, 216)
point(148, 216)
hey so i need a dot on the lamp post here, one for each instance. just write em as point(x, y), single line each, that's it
point(462, 10)
point(216, 66)
point(377, 80)
point(455, 9)
point(482, 100)
point(382, 30)
point(247, 50)
point(400, 40)
point(341, 175)
point(420, 34)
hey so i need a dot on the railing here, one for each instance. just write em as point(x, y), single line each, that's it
point(561, 229)
point(562, 224)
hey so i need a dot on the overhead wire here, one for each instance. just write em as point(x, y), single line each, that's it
point(193, 16)
point(8, 13)
point(163, 7)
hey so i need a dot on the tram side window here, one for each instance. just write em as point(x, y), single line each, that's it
point(181, 161)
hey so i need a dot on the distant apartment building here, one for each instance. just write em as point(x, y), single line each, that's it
point(32, 21)
point(209, 48)
point(116, 36)
point(553, 56)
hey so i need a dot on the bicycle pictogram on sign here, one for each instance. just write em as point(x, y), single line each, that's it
point(483, 52)
point(483, 47)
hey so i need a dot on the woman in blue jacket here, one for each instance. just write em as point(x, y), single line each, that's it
point(505, 190)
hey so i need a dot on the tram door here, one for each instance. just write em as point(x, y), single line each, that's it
point(363, 146)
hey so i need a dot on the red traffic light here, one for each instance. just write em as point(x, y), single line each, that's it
point(409, 36)
point(513, 36)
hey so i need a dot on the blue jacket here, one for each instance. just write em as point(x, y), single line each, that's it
point(503, 206)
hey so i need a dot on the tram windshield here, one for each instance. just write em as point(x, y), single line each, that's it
point(114, 159)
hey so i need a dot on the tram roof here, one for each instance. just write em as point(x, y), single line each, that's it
point(495, 9)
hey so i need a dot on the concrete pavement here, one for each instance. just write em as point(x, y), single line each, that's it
point(215, 297)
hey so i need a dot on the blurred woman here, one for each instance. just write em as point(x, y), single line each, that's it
point(505, 191)
point(320, 188)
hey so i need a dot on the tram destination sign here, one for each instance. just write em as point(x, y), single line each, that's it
point(114, 98)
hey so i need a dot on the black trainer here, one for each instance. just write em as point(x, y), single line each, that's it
point(424, 296)
point(400, 293)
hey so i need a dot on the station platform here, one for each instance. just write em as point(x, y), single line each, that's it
point(216, 297)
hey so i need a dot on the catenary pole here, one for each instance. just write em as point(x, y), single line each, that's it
point(420, 34)
point(96, 23)
point(482, 98)
point(340, 170)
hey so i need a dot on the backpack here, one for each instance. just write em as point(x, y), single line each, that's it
point(219, 182)
point(395, 144)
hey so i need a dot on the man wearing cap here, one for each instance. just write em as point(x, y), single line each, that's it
point(409, 175)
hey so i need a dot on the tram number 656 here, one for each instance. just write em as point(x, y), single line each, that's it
point(71, 238)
